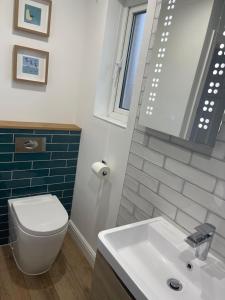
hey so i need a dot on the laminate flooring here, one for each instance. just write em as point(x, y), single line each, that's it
point(69, 278)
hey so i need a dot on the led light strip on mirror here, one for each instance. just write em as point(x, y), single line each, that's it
point(212, 102)
point(168, 20)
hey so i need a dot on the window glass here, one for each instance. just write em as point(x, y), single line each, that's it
point(132, 59)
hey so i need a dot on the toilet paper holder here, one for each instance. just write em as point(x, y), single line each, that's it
point(105, 173)
point(101, 169)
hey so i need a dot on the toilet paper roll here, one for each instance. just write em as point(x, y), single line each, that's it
point(101, 169)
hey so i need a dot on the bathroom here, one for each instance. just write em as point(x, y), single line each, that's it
point(112, 149)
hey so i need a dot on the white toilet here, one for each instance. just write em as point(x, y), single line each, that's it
point(37, 229)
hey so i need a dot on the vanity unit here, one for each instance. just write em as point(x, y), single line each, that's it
point(152, 260)
point(106, 283)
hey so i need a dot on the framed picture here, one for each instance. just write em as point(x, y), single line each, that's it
point(33, 16)
point(30, 65)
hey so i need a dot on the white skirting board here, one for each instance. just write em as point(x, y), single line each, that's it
point(85, 247)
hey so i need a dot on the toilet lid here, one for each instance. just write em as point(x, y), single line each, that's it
point(40, 215)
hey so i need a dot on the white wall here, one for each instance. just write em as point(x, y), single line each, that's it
point(56, 102)
point(94, 208)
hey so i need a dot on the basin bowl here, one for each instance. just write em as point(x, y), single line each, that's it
point(148, 254)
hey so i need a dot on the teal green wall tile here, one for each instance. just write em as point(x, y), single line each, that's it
point(11, 130)
point(63, 155)
point(6, 138)
point(4, 209)
point(57, 194)
point(66, 200)
point(66, 139)
point(5, 193)
point(29, 191)
point(30, 173)
point(4, 233)
point(70, 178)
point(3, 218)
point(62, 171)
point(60, 186)
point(74, 147)
point(56, 147)
point(49, 164)
point(6, 157)
point(32, 156)
point(15, 166)
point(5, 175)
point(77, 132)
point(47, 180)
point(4, 226)
point(14, 183)
point(7, 148)
point(67, 193)
point(71, 163)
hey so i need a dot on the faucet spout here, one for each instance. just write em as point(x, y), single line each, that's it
point(201, 240)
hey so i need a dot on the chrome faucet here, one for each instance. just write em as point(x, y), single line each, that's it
point(201, 240)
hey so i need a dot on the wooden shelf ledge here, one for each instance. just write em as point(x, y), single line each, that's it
point(38, 126)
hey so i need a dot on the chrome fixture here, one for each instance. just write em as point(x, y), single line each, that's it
point(30, 144)
point(201, 240)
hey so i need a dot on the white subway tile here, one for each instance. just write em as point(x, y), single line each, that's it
point(138, 201)
point(139, 127)
point(143, 178)
point(140, 215)
point(191, 146)
point(219, 150)
point(157, 201)
point(126, 216)
point(164, 176)
point(131, 183)
point(170, 150)
point(127, 205)
point(157, 134)
point(209, 165)
point(190, 207)
point(218, 244)
point(185, 221)
point(120, 221)
point(220, 189)
point(190, 174)
point(147, 154)
point(140, 137)
point(218, 222)
point(210, 201)
point(135, 161)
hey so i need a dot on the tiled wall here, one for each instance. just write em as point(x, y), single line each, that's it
point(166, 176)
point(25, 174)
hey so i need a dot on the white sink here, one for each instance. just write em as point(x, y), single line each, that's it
point(146, 254)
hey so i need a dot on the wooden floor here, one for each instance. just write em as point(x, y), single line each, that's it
point(69, 277)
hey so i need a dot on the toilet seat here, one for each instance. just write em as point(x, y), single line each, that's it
point(40, 215)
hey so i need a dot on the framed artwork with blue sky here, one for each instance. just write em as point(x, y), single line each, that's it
point(33, 16)
point(30, 65)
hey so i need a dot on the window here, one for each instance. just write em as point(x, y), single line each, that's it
point(127, 61)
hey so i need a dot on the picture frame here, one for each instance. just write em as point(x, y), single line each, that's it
point(33, 16)
point(30, 65)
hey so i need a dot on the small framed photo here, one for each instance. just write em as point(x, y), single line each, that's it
point(30, 65)
point(33, 16)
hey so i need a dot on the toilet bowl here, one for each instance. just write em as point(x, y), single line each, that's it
point(37, 229)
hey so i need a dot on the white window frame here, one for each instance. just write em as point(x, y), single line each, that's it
point(115, 111)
